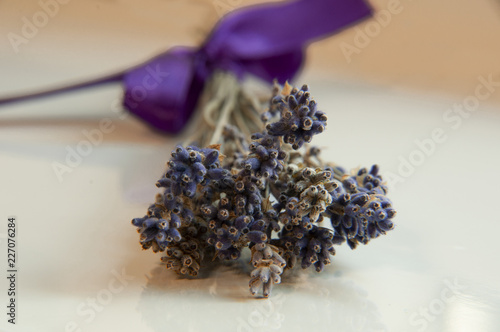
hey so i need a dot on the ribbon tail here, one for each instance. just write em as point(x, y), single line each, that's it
point(114, 78)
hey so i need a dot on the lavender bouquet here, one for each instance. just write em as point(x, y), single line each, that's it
point(251, 179)
point(248, 178)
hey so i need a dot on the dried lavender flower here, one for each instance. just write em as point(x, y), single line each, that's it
point(360, 210)
point(185, 256)
point(263, 192)
point(268, 266)
point(300, 119)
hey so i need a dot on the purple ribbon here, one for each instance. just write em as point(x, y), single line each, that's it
point(267, 41)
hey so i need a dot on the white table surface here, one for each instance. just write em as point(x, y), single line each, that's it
point(75, 237)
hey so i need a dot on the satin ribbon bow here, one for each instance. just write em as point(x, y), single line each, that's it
point(267, 41)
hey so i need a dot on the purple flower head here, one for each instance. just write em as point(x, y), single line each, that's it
point(266, 156)
point(225, 229)
point(300, 119)
point(360, 210)
point(156, 233)
point(316, 248)
point(189, 167)
point(247, 195)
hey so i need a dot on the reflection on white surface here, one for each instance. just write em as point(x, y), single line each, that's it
point(473, 309)
point(221, 301)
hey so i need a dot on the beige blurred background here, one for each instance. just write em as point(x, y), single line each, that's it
point(437, 46)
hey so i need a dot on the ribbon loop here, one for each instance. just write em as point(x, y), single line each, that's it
point(267, 41)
